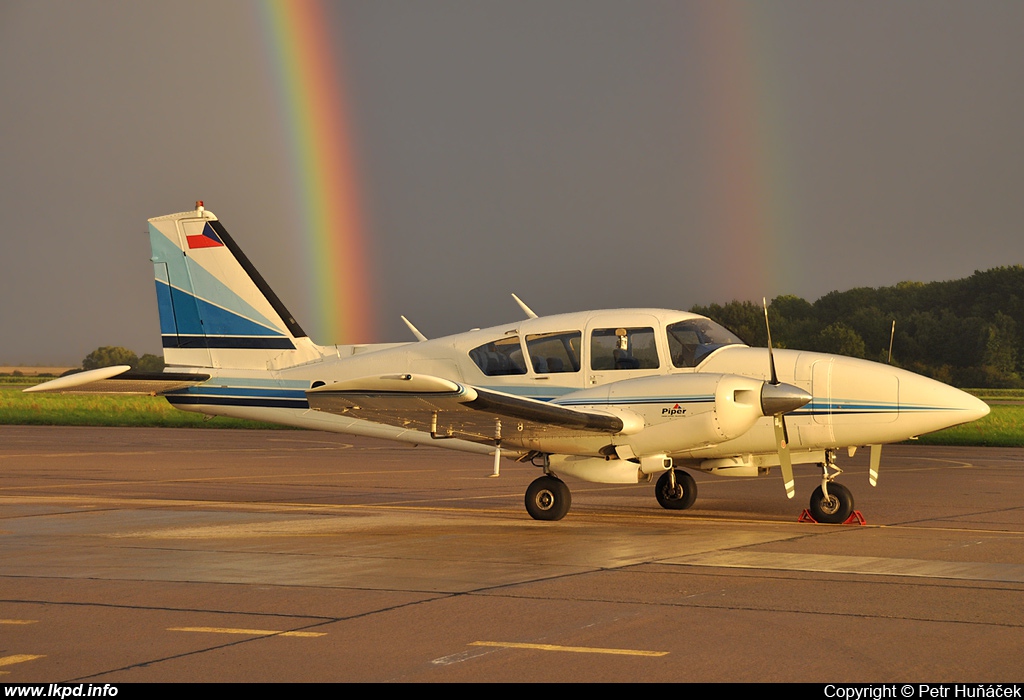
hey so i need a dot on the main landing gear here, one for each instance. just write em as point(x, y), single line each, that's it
point(548, 498)
point(676, 490)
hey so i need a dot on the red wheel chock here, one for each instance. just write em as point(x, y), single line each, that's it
point(856, 518)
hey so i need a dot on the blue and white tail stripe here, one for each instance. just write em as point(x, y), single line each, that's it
point(206, 310)
point(215, 308)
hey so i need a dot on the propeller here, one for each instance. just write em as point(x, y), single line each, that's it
point(777, 399)
point(876, 459)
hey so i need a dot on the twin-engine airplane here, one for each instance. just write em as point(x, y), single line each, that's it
point(614, 397)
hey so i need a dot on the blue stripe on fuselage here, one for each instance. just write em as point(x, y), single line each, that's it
point(253, 396)
point(634, 400)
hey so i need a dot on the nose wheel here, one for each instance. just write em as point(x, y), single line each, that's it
point(831, 502)
point(834, 507)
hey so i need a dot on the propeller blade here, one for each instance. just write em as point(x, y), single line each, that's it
point(771, 357)
point(785, 462)
point(876, 460)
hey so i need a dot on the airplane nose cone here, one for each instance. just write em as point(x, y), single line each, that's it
point(940, 405)
point(972, 408)
point(782, 398)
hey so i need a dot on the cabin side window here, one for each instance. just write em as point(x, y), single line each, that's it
point(554, 352)
point(623, 348)
point(499, 357)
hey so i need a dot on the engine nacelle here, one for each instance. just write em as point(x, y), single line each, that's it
point(678, 411)
point(671, 413)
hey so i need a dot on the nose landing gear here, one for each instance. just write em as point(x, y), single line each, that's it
point(834, 506)
point(831, 502)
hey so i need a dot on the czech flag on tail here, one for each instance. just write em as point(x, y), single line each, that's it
point(207, 239)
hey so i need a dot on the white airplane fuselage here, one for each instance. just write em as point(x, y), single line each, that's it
point(854, 402)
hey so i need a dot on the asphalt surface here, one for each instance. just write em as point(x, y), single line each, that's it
point(135, 555)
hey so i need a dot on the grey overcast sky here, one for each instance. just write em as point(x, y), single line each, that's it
point(583, 154)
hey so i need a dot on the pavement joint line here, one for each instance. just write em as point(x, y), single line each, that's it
point(249, 632)
point(18, 622)
point(854, 565)
point(577, 650)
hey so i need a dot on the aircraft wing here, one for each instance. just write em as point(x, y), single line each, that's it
point(445, 408)
point(119, 379)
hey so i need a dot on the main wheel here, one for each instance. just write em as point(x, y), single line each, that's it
point(836, 508)
point(679, 498)
point(548, 498)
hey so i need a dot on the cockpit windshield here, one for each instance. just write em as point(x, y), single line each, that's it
point(690, 341)
point(500, 357)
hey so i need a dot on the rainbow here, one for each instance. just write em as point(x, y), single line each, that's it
point(323, 164)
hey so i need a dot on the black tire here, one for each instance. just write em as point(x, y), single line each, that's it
point(682, 497)
point(548, 498)
point(836, 509)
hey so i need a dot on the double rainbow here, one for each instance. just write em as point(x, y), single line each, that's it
point(748, 216)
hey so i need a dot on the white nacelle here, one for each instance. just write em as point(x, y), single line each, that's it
point(679, 412)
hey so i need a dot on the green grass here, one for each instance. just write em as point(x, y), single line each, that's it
point(22, 381)
point(17, 408)
point(997, 394)
point(1003, 427)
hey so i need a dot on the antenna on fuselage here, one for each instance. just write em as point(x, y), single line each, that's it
point(415, 331)
point(892, 335)
point(526, 309)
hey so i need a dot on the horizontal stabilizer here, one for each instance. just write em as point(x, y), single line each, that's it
point(119, 379)
point(445, 408)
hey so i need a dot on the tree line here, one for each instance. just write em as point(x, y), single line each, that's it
point(967, 332)
point(110, 355)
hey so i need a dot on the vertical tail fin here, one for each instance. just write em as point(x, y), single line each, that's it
point(216, 310)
